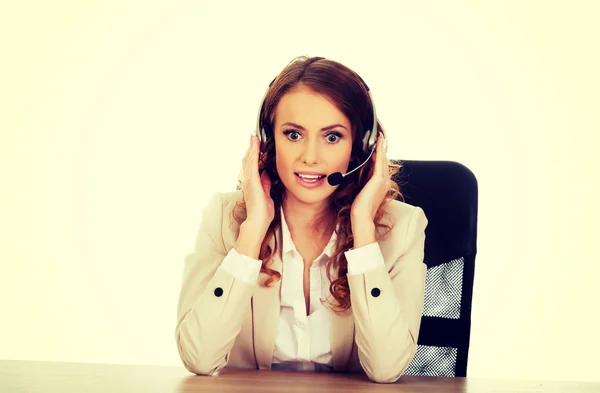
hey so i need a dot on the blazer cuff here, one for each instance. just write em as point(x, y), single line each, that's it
point(364, 259)
point(242, 267)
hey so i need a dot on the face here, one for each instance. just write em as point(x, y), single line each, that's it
point(311, 135)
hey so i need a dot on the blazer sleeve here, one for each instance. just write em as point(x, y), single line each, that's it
point(387, 307)
point(212, 302)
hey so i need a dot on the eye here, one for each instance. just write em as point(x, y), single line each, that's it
point(332, 137)
point(337, 136)
point(288, 132)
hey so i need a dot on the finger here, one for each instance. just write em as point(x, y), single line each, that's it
point(382, 158)
point(249, 148)
point(380, 148)
point(242, 174)
point(377, 158)
point(251, 165)
point(254, 156)
point(244, 161)
point(248, 155)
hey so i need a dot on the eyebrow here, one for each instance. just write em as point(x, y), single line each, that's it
point(322, 129)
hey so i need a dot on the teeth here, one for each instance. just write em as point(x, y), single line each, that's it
point(313, 177)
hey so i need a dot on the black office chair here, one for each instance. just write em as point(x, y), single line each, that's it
point(447, 192)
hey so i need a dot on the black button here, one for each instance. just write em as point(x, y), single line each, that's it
point(375, 292)
point(218, 291)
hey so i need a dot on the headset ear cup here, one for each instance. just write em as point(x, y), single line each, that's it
point(365, 143)
point(263, 136)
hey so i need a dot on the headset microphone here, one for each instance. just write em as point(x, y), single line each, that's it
point(336, 178)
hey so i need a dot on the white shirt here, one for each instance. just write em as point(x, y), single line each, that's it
point(303, 342)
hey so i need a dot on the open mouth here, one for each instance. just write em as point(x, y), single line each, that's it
point(310, 181)
point(310, 178)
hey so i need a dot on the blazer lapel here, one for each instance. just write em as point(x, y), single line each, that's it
point(266, 303)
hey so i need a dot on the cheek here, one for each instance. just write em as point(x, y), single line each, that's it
point(281, 165)
point(344, 158)
point(283, 158)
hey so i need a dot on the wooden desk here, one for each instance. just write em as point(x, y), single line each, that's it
point(25, 376)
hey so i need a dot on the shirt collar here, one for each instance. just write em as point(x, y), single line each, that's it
point(288, 243)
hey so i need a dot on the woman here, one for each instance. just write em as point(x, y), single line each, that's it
point(292, 273)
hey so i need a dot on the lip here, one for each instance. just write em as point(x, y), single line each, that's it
point(311, 173)
point(306, 184)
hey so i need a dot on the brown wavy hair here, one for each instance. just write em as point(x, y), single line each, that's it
point(345, 89)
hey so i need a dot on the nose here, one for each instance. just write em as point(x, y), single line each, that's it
point(310, 151)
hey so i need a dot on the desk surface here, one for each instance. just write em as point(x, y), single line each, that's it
point(27, 376)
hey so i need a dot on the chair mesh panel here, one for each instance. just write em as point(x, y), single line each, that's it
point(443, 289)
point(433, 362)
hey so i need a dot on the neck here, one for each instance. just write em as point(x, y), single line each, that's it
point(314, 219)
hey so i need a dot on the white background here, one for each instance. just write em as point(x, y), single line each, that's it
point(120, 119)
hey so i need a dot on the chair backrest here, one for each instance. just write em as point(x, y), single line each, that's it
point(447, 192)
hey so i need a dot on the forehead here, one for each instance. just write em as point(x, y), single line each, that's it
point(308, 108)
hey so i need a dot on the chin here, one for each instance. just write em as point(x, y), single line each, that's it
point(306, 195)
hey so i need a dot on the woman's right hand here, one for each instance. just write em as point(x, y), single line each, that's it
point(260, 208)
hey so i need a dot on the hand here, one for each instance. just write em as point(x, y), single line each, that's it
point(260, 208)
point(367, 201)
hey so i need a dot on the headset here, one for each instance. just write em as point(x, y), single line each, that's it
point(369, 140)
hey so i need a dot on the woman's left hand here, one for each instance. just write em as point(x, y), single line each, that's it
point(367, 201)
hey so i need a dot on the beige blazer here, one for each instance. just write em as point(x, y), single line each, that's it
point(222, 321)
